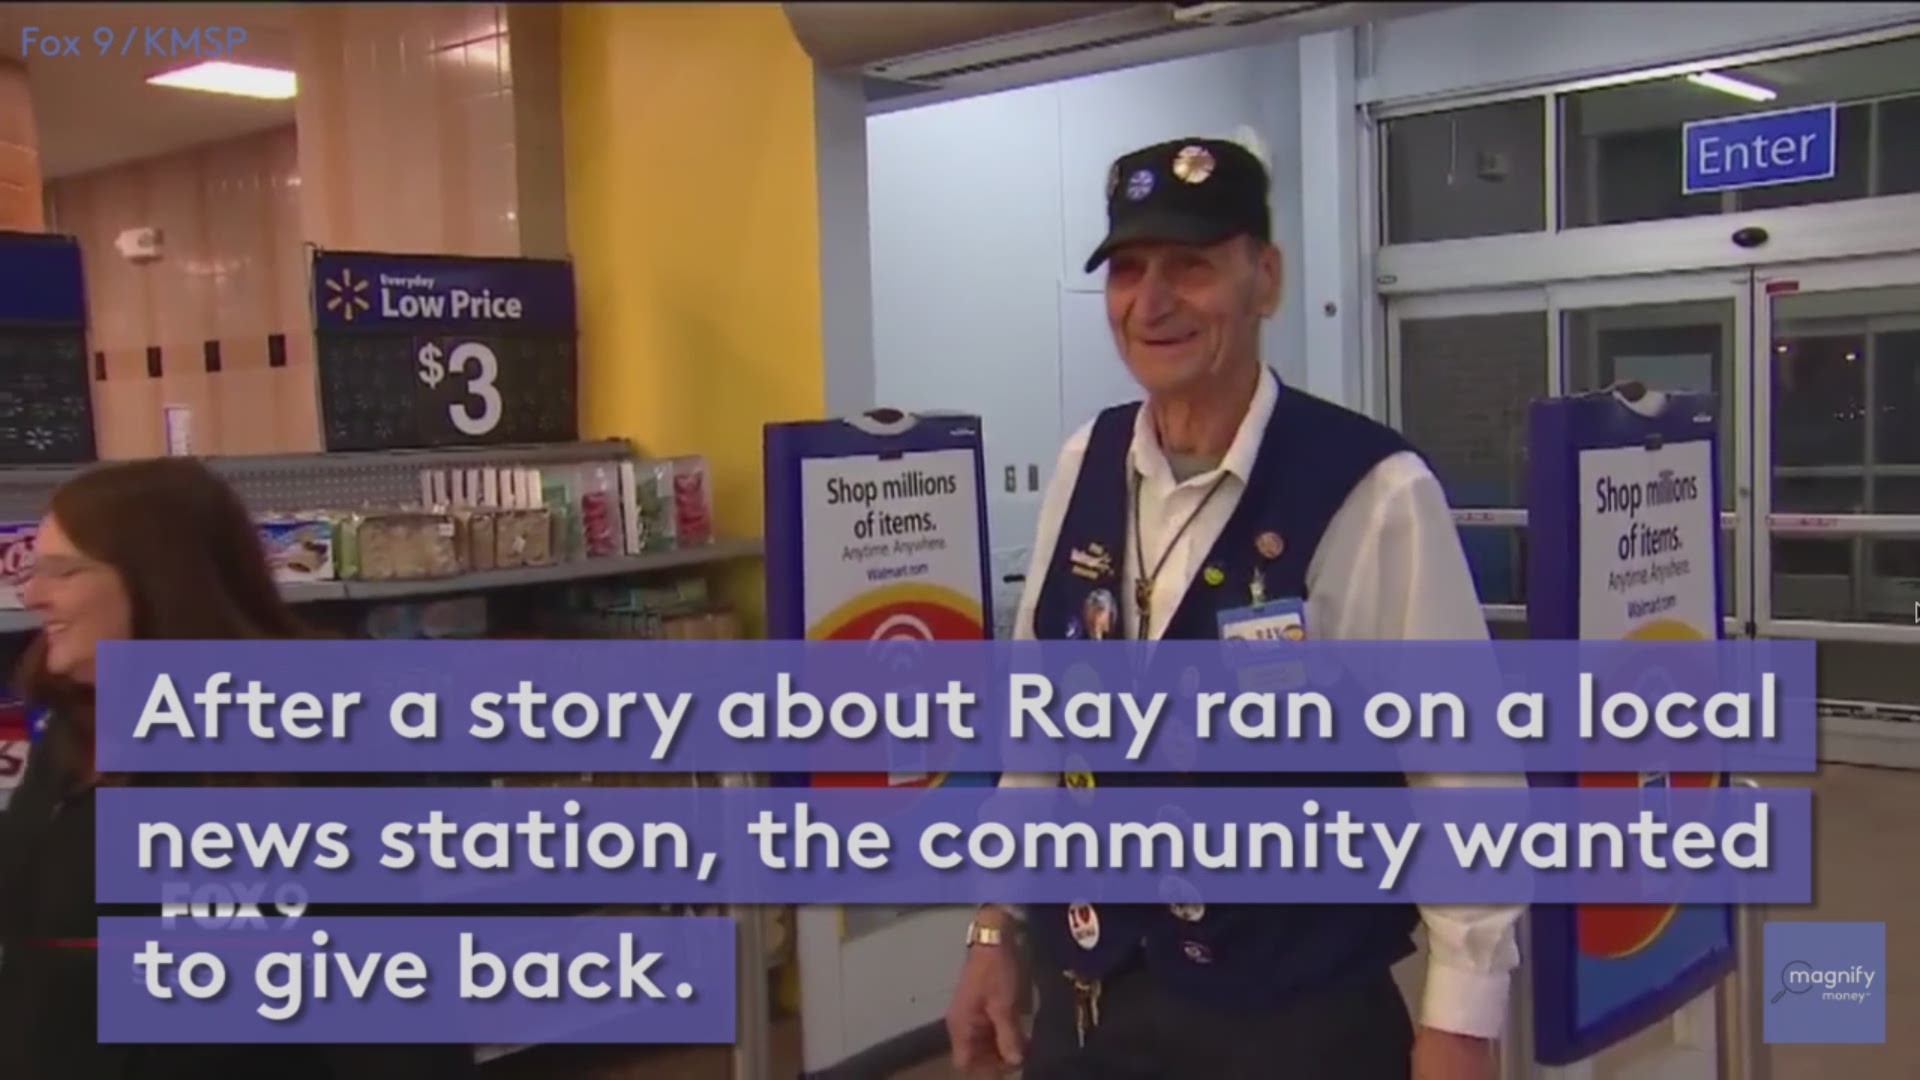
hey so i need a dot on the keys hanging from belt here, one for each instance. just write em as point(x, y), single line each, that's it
point(1086, 1005)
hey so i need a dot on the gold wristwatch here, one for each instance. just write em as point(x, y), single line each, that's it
point(985, 935)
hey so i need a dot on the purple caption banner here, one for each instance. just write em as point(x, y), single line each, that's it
point(416, 980)
point(618, 706)
point(951, 845)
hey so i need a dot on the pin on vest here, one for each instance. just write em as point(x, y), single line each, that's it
point(1084, 922)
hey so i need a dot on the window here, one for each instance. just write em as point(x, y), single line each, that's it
point(1464, 386)
point(1469, 172)
point(1621, 146)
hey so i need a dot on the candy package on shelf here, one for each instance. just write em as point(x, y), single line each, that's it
point(678, 608)
point(651, 484)
point(16, 733)
point(692, 502)
point(449, 618)
point(404, 546)
point(298, 548)
point(602, 518)
point(522, 538)
point(567, 536)
point(477, 531)
point(16, 562)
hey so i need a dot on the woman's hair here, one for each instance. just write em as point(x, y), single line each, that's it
point(188, 555)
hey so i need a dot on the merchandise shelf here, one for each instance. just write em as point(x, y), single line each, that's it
point(14, 621)
point(292, 482)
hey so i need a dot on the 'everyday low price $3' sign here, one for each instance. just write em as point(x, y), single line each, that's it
point(419, 351)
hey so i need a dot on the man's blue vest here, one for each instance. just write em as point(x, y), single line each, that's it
point(1232, 956)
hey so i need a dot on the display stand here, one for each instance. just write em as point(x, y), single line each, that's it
point(46, 401)
point(1623, 531)
point(876, 531)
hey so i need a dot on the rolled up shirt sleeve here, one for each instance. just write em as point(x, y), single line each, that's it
point(1391, 567)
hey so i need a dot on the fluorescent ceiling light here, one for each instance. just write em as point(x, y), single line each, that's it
point(1727, 84)
point(240, 80)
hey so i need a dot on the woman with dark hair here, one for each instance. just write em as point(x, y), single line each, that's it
point(159, 549)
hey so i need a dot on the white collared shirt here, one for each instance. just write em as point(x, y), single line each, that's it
point(1389, 567)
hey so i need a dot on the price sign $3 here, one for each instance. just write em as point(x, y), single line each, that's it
point(477, 364)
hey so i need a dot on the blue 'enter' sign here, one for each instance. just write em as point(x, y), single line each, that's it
point(1758, 149)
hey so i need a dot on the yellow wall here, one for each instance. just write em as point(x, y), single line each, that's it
point(694, 222)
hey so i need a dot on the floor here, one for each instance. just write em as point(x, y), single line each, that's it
point(1868, 869)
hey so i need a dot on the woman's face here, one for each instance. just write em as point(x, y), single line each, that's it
point(80, 600)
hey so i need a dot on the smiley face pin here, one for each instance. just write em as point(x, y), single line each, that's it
point(1213, 575)
point(1269, 545)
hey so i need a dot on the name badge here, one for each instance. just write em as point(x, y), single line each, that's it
point(1274, 620)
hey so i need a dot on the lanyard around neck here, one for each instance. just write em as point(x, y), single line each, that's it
point(1143, 583)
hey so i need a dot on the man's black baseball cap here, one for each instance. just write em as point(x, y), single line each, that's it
point(1188, 191)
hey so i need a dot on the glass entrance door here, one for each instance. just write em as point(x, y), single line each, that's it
point(1678, 333)
point(1837, 480)
point(1817, 369)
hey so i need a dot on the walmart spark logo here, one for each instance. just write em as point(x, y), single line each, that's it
point(348, 294)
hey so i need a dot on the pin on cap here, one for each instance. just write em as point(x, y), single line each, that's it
point(1191, 191)
point(1193, 164)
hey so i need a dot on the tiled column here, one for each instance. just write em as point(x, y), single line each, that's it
point(410, 127)
point(20, 205)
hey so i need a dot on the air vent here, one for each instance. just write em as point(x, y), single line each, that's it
point(1243, 14)
point(888, 89)
point(938, 76)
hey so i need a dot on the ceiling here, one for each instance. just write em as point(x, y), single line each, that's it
point(94, 111)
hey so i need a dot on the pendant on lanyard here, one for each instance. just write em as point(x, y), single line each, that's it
point(1143, 583)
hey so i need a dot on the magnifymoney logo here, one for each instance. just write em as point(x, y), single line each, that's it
point(1830, 982)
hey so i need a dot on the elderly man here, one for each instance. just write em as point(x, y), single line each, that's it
point(1226, 500)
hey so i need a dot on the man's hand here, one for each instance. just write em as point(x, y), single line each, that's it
point(1443, 1055)
point(983, 1022)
